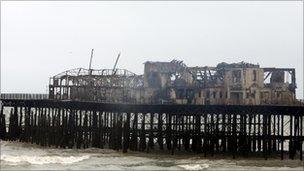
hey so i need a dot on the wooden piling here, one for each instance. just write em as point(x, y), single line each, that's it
point(211, 130)
point(126, 131)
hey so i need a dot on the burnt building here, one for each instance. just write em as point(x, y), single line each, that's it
point(174, 82)
point(104, 85)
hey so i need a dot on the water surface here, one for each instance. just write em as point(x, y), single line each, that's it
point(17, 155)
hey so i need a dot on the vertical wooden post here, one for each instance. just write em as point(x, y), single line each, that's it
point(259, 132)
point(16, 127)
point(198, 140)
point(151, 136)
point(20, 117)
point(223, 132)
point(134, 140)
point(269, 139)
point(273, 141)
point(2, 124)
point(254, 133)
point(212, 136)
point(301, 134)
point(186, 136)
point(126, 136)
point(160, 132)
point(53, 129)
point(217, 136)
point(95, 134)
point(106, 128)
point(101, 129)
point(264, 136)
point(290, 138)
point(234, 124)
point(48, 127)
point(278, 133)
point(71, 128)
point(205, 135)
point(173, 134)
point(119, 131)
point(282, 137)
point(85, 127)
point(249, 138)
point(142, 143)
point(168, 131)
point(80, 130)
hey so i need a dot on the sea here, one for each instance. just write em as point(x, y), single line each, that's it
point(26, 156)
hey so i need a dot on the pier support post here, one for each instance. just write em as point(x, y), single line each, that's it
point(2, 123)
point(126, 131)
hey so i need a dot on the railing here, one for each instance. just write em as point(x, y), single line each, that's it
point(23, 96)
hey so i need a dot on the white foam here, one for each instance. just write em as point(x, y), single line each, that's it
point(194, 166)
point(39, 160)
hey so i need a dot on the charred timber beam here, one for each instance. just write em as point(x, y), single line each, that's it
point(164, 108)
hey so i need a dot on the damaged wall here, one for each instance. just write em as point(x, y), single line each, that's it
point(174, 82)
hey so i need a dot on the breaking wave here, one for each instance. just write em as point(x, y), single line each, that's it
point(40, 160)
point(194, 166)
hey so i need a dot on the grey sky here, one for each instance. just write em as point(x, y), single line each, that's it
point(41, 39)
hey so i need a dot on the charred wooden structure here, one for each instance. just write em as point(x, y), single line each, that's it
point(105, 85)
point(236, 130)
point(175, 83)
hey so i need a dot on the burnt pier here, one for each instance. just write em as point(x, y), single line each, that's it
point(236, 130)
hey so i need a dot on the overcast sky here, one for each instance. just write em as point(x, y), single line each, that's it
point(42, 39)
